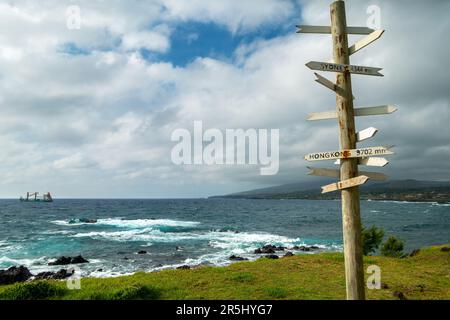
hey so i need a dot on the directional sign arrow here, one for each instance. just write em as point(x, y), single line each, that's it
point(330, 85)
point(335, 173)
point(365, 42)
point(359, 112)
point(325, 82)
point(327, 30)
point(346, 154)
point(335, 67)
point(350, 183)
point(366, 134)
point(370, 162)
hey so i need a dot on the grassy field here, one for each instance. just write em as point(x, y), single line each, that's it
point(319, 276)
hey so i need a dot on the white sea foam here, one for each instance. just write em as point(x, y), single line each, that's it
point(110, 274)
point(61, 232)
point(144, 223)
point(216, 239)
point(406, 202)
point(137, 223)
point(6, 261)
point(229, 243)
point(440, 204)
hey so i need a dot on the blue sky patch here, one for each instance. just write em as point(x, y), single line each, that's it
point(192, 40)
point(72, 49)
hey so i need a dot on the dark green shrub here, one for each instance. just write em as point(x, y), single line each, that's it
point(36, 290)
point(393, 247)
point(371, 239)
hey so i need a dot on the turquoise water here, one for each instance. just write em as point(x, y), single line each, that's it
point(180, 232)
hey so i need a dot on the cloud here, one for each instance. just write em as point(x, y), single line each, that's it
point(75, 161)
point(103, 119)
point(157, 40)
point(236, 15)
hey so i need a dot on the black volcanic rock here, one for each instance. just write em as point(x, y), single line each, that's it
point(305, 248)
point(14, 274)
point(84, 220)
point(61, 261)
point(78, 260)
point(236, 258)
point(60, 275)
point(184, 268)
point(301, 248)
point(289, 254)
point(269, 249)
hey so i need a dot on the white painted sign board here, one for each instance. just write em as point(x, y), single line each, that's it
point(335, 173)
point(350, 183)
point(346, 154)
point(325, 82)
point(327, 30)
point(328, 84)
point(366, 134)
point(336, 67)
point(359, 112)
point(370, 162)
point(365, 41)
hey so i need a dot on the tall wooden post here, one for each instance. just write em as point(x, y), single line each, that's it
point(354, 269)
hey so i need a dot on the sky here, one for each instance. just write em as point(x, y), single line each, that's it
point(88, 112)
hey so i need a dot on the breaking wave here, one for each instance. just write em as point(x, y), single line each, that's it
point(122, 223)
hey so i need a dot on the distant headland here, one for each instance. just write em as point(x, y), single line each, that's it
point(395, 190)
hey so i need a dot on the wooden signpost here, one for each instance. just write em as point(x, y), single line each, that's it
point(349, 156)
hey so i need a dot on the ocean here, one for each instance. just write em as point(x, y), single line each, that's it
point(192, 232)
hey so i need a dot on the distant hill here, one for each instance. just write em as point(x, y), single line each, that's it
point(399, 190)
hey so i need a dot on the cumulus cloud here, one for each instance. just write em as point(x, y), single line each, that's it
point(85, 114)
point(236, 15)
point(156, 40)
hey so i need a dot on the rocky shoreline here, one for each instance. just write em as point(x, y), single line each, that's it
point(270, 252)
point(22, 274)
point(267, 252)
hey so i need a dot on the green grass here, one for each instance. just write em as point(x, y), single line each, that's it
point(319, 276)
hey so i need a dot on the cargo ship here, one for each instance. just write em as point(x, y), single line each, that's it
point(35, 197)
